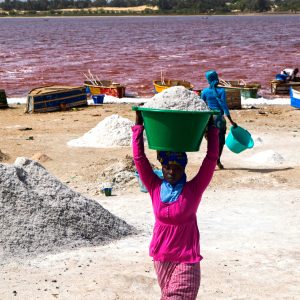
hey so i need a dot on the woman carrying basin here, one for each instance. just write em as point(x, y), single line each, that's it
point(175, 244)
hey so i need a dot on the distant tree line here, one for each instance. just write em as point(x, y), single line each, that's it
point(165, 6)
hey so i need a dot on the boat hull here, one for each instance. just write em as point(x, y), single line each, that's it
point(160, 86)
point(55, 98)
point(295, 97)
point(106, 87)
point(283, 88)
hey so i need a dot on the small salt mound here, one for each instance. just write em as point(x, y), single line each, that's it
point(40, 214)
point(119, 173)
point(177, 98)
point(113, 131)
point(3, 156)
point(257, 140)
point(267, 157)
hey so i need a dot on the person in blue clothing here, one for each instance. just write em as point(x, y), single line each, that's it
point(215, 98)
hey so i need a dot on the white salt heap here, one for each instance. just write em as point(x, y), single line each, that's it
point(267, 157)
point(40, 214)
point(113, 131)
point(177, 98)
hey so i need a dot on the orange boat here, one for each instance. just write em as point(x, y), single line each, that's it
point(160, 86)
point(106, 87)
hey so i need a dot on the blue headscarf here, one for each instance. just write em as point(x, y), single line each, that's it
point(169, 157)
point(213, 80)
point(169, 193)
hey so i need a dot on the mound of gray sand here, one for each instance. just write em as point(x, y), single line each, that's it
point(40, 214)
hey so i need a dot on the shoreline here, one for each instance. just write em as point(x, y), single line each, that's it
point(265, 14)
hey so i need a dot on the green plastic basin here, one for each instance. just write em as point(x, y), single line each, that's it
point(174, 130)
point(239, 139)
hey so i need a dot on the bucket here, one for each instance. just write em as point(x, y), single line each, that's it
point(98, 99)
point(239, 139)
point(143, 189)
point(174, 130)
point(281, 77)
point(107, 191)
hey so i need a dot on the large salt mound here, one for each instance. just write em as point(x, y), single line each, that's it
point(177, 98)
point(39, 214)
point(113, 131)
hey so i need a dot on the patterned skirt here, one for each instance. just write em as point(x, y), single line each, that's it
point(178, 281)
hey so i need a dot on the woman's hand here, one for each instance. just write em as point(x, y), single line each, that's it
point(234, 124)
point(138, 118)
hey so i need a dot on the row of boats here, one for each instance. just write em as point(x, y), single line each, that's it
point(57, 97)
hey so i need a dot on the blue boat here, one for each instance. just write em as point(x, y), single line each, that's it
point(295, 97)
point(55, 97)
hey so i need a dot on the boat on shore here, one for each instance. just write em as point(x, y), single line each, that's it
point(161, 85)
point(106, 87)
point(295, 97)
point(236, 89)
point(55, 98)
point(280, 87)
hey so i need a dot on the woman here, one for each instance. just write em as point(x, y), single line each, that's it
point(175, 246)
point(215, 98)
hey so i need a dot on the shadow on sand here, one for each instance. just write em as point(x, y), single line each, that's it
point(262, 170)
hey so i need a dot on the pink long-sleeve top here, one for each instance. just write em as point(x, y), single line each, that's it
point(176, 236)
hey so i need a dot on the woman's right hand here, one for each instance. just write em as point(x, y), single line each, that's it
point(138, 118)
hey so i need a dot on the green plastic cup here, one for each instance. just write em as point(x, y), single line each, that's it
point(174, 130)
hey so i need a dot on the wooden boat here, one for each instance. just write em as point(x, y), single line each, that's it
point(3, 99)
point(235, 90)
point(279, 87)
point(106, 87)
point(160, 86)
point(55, 97)
point(295, 97)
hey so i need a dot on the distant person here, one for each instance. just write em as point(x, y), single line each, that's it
point(175, 244)
point(215, 98)
point(291, 74)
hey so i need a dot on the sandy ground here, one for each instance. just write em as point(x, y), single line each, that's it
point(117, 9)
point(249, 216)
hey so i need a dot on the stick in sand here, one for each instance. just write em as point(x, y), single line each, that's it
point(162, 77)
point(92, 76)
point(88, 79)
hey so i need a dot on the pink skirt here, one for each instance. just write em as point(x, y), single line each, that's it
point(178, 281)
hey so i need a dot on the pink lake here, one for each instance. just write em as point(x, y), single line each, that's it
point(134, 50)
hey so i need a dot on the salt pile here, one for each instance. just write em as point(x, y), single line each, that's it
point(3, 156)
point(177, 98)
point(267, 157)
point(40, 214)
point(113, 131)
point(119, 174)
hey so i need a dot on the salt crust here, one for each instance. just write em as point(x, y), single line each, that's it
point(267, 157)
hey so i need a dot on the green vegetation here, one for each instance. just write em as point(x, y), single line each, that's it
point(101, 7)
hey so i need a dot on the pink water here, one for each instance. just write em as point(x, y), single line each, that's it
point(134, 50)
